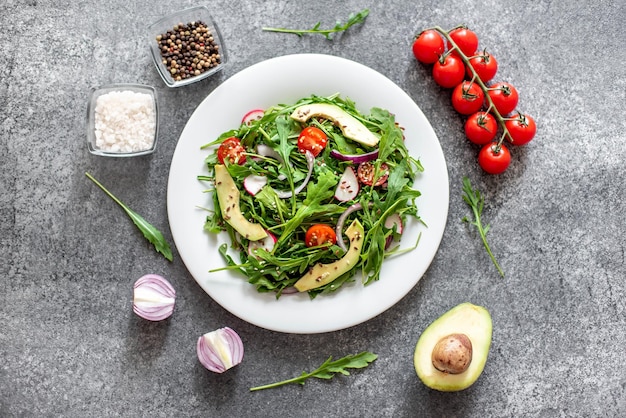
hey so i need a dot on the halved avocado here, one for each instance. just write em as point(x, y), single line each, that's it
point(451, 353)
point(322, 274)
point(350, 126)
point(228, 198)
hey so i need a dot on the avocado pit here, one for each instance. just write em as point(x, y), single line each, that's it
point(452, 354)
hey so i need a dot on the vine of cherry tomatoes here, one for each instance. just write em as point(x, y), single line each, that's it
point(490, 107)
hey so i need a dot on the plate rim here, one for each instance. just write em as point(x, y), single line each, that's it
point(282, 61)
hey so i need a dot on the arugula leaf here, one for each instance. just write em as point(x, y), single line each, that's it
point(312, 204)
point(150, 232)
point(475, 200)
point(353, 19)
point(285, 147)
point(328, 369)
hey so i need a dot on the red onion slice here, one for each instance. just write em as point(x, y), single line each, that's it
point(355, 158)
point(153, 297)
point(341, 221)
point(220, 350)
point(286, 194)
point(267, 151)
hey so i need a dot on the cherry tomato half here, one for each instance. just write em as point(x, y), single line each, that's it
point(312, 139)
point(320, 234)
point(504, 97)
point(231, 150)
point(428, 47)
point(481, 128)
point(449, 71)
point(522, 129)
point(494, 158)
point(467, 98)
point(465, 39)
point(365, 173)
point(485, 66)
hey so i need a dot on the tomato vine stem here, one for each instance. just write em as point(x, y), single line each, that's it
point(476, 78)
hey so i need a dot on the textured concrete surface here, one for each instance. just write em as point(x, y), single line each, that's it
point(69, 342)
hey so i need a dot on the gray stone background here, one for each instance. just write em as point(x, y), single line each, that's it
point(69, 342)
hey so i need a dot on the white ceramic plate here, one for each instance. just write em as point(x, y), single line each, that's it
point(284, 80)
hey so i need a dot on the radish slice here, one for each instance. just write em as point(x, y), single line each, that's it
point(355, 158)
point(253, 183)
point(348, 186)
point(394, 220)
point(388, 242)
point(286, 194)
point(252, 116)
point(266, 243)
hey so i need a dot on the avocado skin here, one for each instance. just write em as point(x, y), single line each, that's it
point(322, 274)
point(228, 198)
point(466, 318)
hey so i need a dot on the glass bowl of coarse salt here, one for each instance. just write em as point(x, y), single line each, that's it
point(122, 120)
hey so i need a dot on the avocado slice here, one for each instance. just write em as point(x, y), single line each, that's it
point(322, 274)
point(451, 353)
point(228, 198)
point(351, 127)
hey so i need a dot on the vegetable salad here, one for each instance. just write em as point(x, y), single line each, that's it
point(303, 176)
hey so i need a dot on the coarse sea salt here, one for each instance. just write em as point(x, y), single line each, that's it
point(125, 121)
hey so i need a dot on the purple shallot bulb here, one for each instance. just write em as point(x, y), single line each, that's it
point(220, 350)
point(153, 297)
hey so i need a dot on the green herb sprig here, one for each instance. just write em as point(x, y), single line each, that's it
point(353, 19)
point(328, 369)
point(475, 200)
point(150, 232)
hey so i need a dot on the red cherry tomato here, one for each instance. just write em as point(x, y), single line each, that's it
point(522, 129)
point(449, 71)
point(312, 139)
point(428, 47)
point(485, 66)
point(494, 158)
point(320, 234)
point(231, 150)
point(465, 39)
point(467, 98)
point(365, 173)
point(504, 97)
point(481, 128)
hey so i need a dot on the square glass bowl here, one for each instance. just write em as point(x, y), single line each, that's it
point(122, 120)
point(186, 47)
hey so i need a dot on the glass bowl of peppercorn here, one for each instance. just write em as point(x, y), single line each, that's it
point(186, 46)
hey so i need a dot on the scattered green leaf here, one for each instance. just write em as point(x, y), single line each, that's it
point(475, 200)
point(150, 232)
point(353, 19)
point(328, 369)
